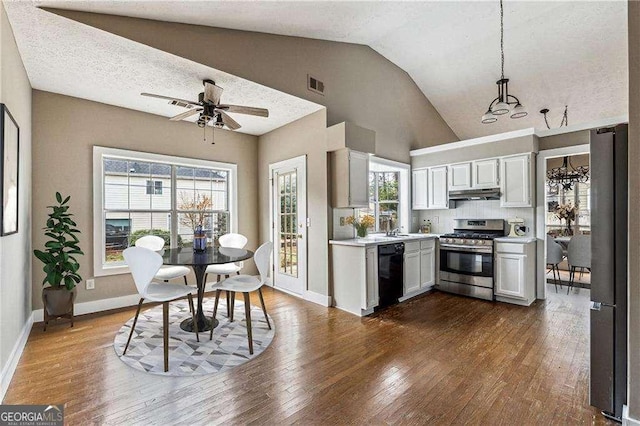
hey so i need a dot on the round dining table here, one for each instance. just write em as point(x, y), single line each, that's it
point(199, 260)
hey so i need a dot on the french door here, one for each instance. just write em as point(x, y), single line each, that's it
point(289, 224)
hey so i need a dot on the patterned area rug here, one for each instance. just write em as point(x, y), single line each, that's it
point(229, 347)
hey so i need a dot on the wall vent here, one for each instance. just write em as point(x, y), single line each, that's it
point(180, 103)
point(315, 85)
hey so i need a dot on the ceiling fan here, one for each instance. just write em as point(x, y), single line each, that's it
point(210, 108)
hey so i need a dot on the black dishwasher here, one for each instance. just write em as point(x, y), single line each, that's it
point(390, 273)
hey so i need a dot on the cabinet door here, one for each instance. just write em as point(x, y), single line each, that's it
point(510, 279)
point(411, 272)
point(485, 173)
point(358, 179)
point(420, 189)
point(460, 176)
point(427, 267)
point(438, 194)
point(515, 177)
point(371, 293)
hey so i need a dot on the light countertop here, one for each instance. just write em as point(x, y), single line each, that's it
point(517, 240)
point(374, 240)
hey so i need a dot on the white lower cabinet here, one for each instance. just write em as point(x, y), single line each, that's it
point(411, 272)
point(419, 266)
point(515, 273)
point(427, 267)
point(371, 290)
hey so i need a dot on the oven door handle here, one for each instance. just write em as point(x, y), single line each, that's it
point(466, 249)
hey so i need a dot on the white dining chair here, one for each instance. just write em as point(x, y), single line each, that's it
point(555, 255)
point(578, 256)
point(245, 284)
point(166, 273)
point(230, 240)
point(144, 264)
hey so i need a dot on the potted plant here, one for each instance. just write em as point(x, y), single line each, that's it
point(361, 224)
point(60, 264)
point(567, 212)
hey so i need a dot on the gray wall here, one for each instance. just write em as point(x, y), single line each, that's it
point(64, 133)
point(306, 136)
point(15, 250)
point(633, 396)
point(567, 139)
point(487, 150)
point(362, 86)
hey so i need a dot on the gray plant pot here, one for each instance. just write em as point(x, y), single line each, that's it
point(58, 302)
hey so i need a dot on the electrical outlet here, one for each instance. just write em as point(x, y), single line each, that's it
point(436, 219)
point(91, 284)
point(341, 220)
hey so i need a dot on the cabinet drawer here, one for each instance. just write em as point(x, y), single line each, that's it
point(510, 248)
point(412, 246)
point(427, 244)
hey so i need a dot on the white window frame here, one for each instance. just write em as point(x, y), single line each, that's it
point(378, 164)
point(99, 267)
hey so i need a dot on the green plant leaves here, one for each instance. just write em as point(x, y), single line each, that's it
point(60, 266)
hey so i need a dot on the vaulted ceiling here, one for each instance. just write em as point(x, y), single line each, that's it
point(557, 53)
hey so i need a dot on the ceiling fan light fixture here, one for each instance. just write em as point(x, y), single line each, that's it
point(519, 111)
point(488, 118)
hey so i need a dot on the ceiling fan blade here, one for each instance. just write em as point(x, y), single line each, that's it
point(229, 122)
point(212, 93)
point(186, 114)
point(169, 98)
point(239, 109)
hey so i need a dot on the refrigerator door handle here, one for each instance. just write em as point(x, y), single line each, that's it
point(596, 306)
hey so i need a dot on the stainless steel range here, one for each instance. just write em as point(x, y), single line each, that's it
point(466, 257)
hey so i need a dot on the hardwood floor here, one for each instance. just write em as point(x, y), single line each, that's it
point(438, 359)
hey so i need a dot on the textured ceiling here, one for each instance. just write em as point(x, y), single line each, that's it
point(63, 56)
point(557, 53)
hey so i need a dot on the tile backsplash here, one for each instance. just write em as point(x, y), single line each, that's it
point(442, 220)
point(342, 232)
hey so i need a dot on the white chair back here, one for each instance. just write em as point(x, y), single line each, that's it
point(554, 251)
point(151, 242)
point(233, 241)
point(262, 257)
point(144, 265)
point(579, 251)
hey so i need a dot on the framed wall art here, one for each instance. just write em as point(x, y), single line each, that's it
point(9, 147)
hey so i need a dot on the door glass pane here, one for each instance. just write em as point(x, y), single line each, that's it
point(287, 223)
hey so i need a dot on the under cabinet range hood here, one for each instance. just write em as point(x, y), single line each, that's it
point(475, 194)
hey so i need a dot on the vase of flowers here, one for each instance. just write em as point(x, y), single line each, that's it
point(568, 213)
point(361, 224)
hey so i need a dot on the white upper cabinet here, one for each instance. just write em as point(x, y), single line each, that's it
point(438, 195)
point(460, 176)
point(485, 173)
point(349, 178)
point(516, 181)
point(419, 189)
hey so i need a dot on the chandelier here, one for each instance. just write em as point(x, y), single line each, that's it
point(566, 175)
point(502, 104)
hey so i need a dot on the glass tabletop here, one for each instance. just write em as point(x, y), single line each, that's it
point(212, 256)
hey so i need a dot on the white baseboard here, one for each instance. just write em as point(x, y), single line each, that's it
point(415, 293)
point(626, 420)
point(96, 306)
point(14, 357)
point(317, 298)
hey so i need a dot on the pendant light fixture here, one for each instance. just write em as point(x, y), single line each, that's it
point(565, 117)
point(566, 175)
point(502, 104)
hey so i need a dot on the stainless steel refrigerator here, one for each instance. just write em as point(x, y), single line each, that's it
point(609, 220)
